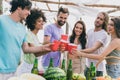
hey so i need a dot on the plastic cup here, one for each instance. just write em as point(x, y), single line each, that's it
point(64, 37)
point(71, 46)
point(55, 45)
point(64, 43)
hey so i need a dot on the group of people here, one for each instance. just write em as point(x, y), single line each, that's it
point(91, 45)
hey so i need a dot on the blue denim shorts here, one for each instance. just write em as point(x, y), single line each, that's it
point(113, 70)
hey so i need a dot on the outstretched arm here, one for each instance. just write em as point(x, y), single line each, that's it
point(112, 46)
point(96, 46)
point(35, 49)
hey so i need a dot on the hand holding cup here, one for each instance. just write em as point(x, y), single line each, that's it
point(71, 46)
point(64, 37)
point(55, 45)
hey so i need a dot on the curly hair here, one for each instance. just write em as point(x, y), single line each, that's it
point(31, 19)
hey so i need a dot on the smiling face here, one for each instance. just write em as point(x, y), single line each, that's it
point(62, 18)
point(78, 29)
point(23, 13)
point(99, 20)
point(39, 23)
point(110, 27)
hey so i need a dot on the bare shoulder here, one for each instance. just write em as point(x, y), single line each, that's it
point(117, 43)
point(117, 40)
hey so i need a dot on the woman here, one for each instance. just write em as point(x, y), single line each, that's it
point(34, 22)
point(113, 49)
point(78, 37)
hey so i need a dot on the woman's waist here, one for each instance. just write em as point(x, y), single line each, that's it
point(113, 62)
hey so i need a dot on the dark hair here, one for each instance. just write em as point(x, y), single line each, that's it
point(63, 10)
point(106, 18)
point(31, 19)
point(20, 3)
point(82, 37)
point(116, 22)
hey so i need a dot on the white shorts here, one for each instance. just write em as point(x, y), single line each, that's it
point(4, 76)
point(24, 67)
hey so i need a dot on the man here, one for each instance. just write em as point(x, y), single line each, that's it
point(97, 40)
point(13, 38)
point(53, 32)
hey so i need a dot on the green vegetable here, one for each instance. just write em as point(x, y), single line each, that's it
point(55, 73)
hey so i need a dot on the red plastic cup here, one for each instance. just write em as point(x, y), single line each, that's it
point(55, 45)
point(64, 37)
point(64, 43)
point(71, 46)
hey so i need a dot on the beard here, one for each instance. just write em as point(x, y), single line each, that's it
point(61, 23)
point(97, 24)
